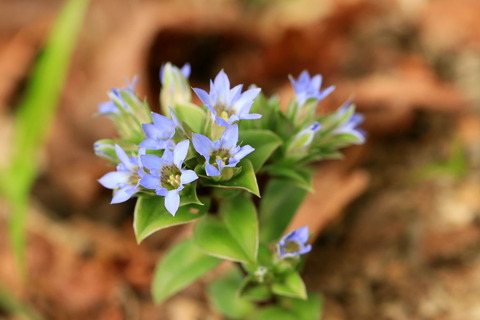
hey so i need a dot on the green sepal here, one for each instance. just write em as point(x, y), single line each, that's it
point(279, 204)
point(232, 236)
point(223, 292)
point(265, 143)
point(183, 264)
point(189, 195)
point(150, 215)
point(290, 284)
point(245, 180)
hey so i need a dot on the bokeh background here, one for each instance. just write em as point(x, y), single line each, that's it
point(397, 222)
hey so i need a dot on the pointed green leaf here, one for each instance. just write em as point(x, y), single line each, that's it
point(278, 206)
point(265, 143)
point(212, 236)
point(310, 309)
point(150, 215)
point(181, 266)
point(189, 195)
point(290, 285)
point(302, 177)
point(274, 313)
point(223, 292)
point(240, 217)
point(192, 115)
point(245, 180)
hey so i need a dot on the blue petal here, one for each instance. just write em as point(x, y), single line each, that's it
point(172, 201)
point(152, 162)
point(188, 176)
point(150, 182)
point(123, 194)
point(243, 152)
point(301, 234)
point(124, 157)
point(186, 70)
point(211, 170)
point(202, 145)
point(162, 122)
point(180, 152)
point(203, 95)
point(230, 137)
point(114, 179)
point(161, 192)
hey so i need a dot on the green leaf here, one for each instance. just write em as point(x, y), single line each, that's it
point(35, 115)
point(181, 266)
point(253, 291)
point(189, 195)
point(245, 180)
point(223, 292)
point(290, 285)
point(278, 206)
point(265, 143)
point(310, 309)
point(302, 177)
point(192, 115)
point(274, 313)
point(240, 217)
point(150, 215)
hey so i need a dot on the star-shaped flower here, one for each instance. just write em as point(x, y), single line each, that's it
point(166, 175)
point(125, 181)
point(159, 134)
point(221, 153)
point(307, 87)
point(228, 105)
point(294, 244)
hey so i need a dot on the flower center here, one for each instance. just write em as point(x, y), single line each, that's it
point(170, 178)
point(222, 112)
point(291, 246)
point(222, 154)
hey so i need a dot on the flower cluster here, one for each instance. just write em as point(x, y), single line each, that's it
point(205, 163)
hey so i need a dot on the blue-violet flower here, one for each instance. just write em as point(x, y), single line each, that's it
point(294, 244)
point(125, 181)
point(166, 175)
point(307, 87)
point(228, 105)
point(221, 153)
point(349, 126)
point(160, 133)
point(109, 107)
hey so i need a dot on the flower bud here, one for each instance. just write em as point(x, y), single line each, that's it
point(175, 86)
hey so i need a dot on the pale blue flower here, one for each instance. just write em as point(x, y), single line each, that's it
point(307, 87)
point(125, 181)
point(349, 125)
point(221, 153)
point(228, 105)
point(166, 175)
point(294, 244)
point(160, 133)
point(110, 107)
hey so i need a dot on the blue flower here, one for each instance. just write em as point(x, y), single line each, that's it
point(160, 133)
point(221, 153)
point(302, 140)
point(294, 244)
point(110, 106)
point(166, 175)
point(228, 105)
point(125, 181)
point(307, 87)
point(349, 125)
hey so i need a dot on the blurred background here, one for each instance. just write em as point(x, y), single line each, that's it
point(397, 222)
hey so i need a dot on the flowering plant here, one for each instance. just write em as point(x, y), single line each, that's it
point(209, 165)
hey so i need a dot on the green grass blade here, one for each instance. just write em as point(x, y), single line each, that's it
point(35, 114)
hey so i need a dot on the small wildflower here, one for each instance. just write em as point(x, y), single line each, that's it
point(110, 106)
point(307, 87)
point(350, 123)
point(228, 105)
point(294, 244)
point(125, 181)
point(159, 134)
point(302, 140)
point(166, 175)
point(175, 86)
point(221, 153)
